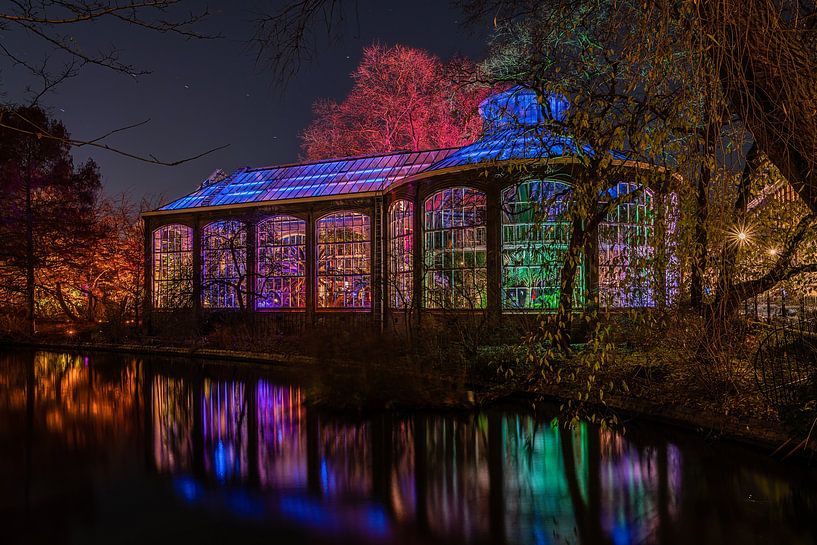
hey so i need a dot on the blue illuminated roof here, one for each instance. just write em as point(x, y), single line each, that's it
point(514, 128)
point(309, 180)
point(508, 145)
point(520, 107)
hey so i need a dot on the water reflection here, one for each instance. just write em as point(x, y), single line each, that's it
point(87, 442)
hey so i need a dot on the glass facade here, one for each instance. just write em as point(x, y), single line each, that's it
point(455, 252)
point(173, 267)
point(401, 254)
point(529, 228)
point(625, 250)
point(534, 233)
point(535, 238)
point(281, 279)
point(344, 261)
point(224, 265)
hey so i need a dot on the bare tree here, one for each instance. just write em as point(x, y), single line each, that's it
point(51, 24)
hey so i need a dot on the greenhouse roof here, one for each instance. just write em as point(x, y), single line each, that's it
point(309, 180)
point(514, 129)
point(507, 145)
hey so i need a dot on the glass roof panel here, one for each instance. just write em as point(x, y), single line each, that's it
point(330, 177)
point(366, 174)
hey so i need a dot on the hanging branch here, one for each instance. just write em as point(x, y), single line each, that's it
point(285, 38)
point(40, 132)
point(43, 21)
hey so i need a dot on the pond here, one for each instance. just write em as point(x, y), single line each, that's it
point(102, 448)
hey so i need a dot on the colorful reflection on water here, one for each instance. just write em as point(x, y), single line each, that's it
point(104, 449)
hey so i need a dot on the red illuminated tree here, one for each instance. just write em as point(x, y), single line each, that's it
point(402, 99)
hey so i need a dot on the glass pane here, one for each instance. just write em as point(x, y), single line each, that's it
point(281, 278)
point(454, 249)
point(224, 265)
point(344, 261)
point(173, 267)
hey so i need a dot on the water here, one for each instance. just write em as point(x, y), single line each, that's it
point(123, 449)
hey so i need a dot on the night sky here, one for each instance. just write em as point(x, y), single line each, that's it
point(204, 93)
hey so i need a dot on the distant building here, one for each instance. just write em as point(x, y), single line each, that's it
point(367, 239)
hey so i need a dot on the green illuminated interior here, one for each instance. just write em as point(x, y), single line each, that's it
point(535, 235)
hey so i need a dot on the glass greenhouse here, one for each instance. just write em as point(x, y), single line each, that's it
point(405, 232)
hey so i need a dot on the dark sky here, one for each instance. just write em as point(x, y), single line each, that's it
point(204, 93)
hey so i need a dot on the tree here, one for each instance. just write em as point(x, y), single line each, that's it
point(764, 56)
point(756, 60)
point(47, 222)
point(402, 99)
point(613, 125)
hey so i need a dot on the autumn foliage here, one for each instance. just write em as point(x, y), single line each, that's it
point(402, 99)
point(66, 251)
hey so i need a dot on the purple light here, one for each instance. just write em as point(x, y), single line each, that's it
point(335, 177)
point(281, 280)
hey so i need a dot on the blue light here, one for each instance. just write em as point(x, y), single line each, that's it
point(515, 125)
point(621, 534)
point(187, 488)
point(244, 505)
point(307, 512)
point(377, 521)
point(334, 177)
point(221, 461)
point(520, 107)
point(372, 520)
point(324, 477)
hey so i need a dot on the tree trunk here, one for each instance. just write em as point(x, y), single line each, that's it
point(64, 304)
point(30, 289)
point(726, 302)
point(769, 83)
point(699, 255)
point(567, 279)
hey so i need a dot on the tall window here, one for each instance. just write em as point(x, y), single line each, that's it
point(344, 261)
point(224, 265)
point(401, 253)
point(281, 281)
point(535, 239)
point(173, 267)
point(625, 249)
point(455, 253)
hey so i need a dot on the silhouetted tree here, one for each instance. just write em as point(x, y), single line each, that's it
point(47, 206)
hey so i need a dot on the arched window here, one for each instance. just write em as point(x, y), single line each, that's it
point(224, 265)
point(281, 280)
point(344, 261)
point(173, 267)
point(401, 253)
point(535, 239)
point(454, 249)
point(625, 249)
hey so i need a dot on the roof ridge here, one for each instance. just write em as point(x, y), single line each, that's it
point(347, 158)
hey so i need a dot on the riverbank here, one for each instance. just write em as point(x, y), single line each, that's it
point(403, 384)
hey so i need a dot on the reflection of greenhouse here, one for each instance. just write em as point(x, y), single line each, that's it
point(248, 453)
point(451, 229)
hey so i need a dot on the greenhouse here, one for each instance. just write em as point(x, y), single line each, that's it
point(398, 234)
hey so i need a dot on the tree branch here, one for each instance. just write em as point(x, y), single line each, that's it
point(40, 132)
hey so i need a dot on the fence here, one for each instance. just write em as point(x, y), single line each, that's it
point(780, 306)
point(785, 364)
